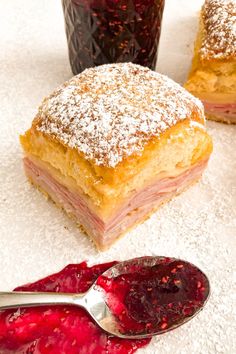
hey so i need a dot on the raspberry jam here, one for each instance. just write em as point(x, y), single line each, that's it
point(60, 329)
point(156, 298)
point(110, 31)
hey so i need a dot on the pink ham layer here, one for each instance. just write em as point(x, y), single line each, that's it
point(134, 210)
point(226, 112)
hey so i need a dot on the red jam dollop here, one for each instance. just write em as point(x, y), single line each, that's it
point(153, 299)
point(60, 329)
point(110, 31)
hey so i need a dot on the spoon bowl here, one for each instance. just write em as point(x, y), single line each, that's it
point(134, 299)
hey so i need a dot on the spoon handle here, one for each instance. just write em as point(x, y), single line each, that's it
point(30, 299)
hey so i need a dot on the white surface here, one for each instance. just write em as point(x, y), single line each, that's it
point(37, 239)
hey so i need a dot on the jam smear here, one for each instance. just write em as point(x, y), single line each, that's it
point(110, 31)
point(153, 299)
point(60, 329)
point(144, 298)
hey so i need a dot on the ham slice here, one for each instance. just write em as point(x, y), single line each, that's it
point(223, 111)
point(136, 209)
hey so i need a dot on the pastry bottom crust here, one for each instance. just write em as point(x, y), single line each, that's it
point(139, 208)
point(221, 118)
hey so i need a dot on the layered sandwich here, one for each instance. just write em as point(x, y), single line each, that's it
point(113, 144)
point(213, 74)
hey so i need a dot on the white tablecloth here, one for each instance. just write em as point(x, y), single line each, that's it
point(37, 239)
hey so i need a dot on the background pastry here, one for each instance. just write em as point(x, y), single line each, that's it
point(213, 74)
point(114, 143)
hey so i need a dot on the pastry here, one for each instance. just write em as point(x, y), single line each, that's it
point(114, 143)
point(213, 74)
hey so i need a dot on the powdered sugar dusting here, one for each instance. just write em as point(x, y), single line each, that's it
point(219, 20)
point(110, 112)
point(38, 239)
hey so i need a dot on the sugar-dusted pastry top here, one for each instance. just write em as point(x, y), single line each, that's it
point(110, 112)
point(219, 26)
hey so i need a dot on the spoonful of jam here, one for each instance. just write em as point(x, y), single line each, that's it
point(138, 298)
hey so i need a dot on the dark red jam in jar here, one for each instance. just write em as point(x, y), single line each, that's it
point(110, 31)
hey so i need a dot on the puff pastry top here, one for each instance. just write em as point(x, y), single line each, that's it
point(110, 112)
point(219, 26)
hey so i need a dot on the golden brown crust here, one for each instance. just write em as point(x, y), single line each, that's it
point(175, 151)
point(218, 18)
point(212, 77)
point(209, 76)
point(220, 118)
point(165, 135)
point(111, 112)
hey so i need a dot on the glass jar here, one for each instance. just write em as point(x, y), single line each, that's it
point(110, 31)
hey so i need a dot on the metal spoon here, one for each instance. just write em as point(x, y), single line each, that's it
point(94, 300)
